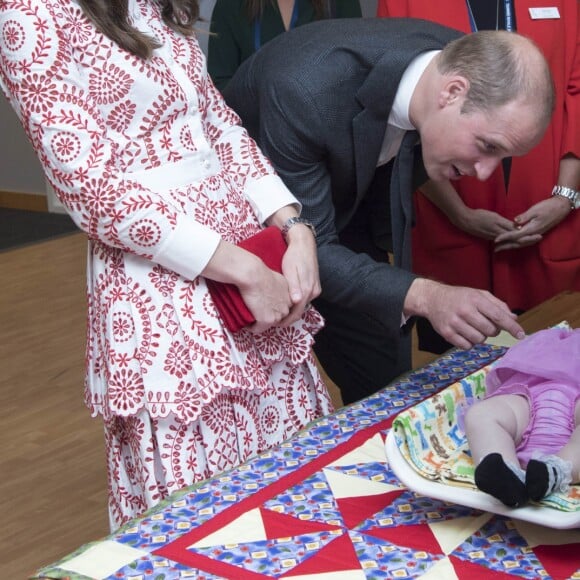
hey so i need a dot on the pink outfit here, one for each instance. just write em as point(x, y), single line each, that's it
point(544, 368)
point(152, 164)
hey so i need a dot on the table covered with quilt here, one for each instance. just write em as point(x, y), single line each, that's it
point(327, 505)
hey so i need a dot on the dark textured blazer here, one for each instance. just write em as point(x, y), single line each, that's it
point(317, 100)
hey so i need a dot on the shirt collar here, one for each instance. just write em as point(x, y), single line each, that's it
point(399, 116)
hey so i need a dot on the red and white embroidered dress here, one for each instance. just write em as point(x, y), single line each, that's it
point(155, 168)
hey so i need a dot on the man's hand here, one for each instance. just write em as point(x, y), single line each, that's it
point(267, 297)
point(463, 316)
point(300, 268)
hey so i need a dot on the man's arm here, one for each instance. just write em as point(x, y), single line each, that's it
point(292, 134)
point(463, 316)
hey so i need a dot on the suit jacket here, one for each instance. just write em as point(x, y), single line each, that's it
point(527, 276)
point(317, 100)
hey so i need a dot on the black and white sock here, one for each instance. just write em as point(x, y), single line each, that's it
point(546, 474)
point(502, 480)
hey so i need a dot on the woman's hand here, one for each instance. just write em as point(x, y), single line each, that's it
point(483, 223)
point(265, 292)
point(480, 223)
point(533, 223)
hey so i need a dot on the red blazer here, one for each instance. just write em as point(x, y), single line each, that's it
point(526, 276)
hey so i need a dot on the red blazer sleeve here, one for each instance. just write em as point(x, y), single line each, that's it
point(571, 133)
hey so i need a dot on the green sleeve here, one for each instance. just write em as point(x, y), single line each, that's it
point(224, 51)
point(347, 8)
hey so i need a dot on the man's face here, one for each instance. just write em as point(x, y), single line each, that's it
point(456, 144)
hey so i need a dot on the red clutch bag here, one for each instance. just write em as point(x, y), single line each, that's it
point(269, 245)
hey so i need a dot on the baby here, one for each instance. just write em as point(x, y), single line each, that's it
point(524, 435)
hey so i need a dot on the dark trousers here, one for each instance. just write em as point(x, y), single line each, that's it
point(429, 339)
point(353, 347)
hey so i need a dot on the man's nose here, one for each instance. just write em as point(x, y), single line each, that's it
point(485, 167)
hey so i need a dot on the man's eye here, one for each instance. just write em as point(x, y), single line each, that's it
point(489, 147)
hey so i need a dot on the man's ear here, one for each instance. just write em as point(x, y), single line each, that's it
point(454, 89)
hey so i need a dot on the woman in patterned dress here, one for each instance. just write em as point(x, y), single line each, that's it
point(156, 169)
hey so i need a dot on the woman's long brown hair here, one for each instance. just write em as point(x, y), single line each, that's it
point(255, 8)
point(111, 18)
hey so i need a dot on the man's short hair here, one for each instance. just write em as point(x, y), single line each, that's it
point(501, 67)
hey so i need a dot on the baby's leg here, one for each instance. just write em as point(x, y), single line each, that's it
point(571, 451)
point(550, 473)
point(496, 425)
point(493, 427)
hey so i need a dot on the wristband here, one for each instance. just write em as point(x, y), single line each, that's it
point(570, 194)
point(297, 220)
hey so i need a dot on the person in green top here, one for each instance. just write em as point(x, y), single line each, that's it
point(240, 27)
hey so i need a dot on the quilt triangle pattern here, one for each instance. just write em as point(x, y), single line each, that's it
point(272, 556)
point(475, 571)
point(280, 525)
point(309, 500)
point(380, 559)
point(414, 537)
point(377, 472)
point(337, 556)
point(559, 561)
point(355, 510)
point(487, 548)
point(409, 508)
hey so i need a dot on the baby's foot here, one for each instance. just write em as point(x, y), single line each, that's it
point(547, 474)
point(503, 481)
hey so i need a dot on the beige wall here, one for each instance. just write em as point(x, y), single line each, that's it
point(20, 170)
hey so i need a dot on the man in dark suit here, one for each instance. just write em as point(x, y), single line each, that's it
point(338, 107)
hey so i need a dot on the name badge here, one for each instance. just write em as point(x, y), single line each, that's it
point(545, 13)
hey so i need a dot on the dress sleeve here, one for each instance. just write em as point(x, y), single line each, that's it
point(348, 9)
point(78, 148)
point(224, 54)
point(571, 133)
point(383, 9)
point(263, 188)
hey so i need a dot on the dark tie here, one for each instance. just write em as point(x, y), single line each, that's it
point(401, 192)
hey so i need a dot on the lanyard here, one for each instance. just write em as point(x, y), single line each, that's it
point(258, 26)
point(509, 16)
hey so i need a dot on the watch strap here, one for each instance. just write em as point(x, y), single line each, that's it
point(572, 195)
point(297, 220)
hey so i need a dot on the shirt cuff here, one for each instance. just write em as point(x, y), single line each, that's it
point(188, 249)
point(267, 195)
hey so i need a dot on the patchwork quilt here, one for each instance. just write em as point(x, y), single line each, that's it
point(326, 505)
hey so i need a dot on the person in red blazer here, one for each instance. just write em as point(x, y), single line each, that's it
point(520, 242)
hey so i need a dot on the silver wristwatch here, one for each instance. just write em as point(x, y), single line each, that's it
point(297, 220)
point(572, 195)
